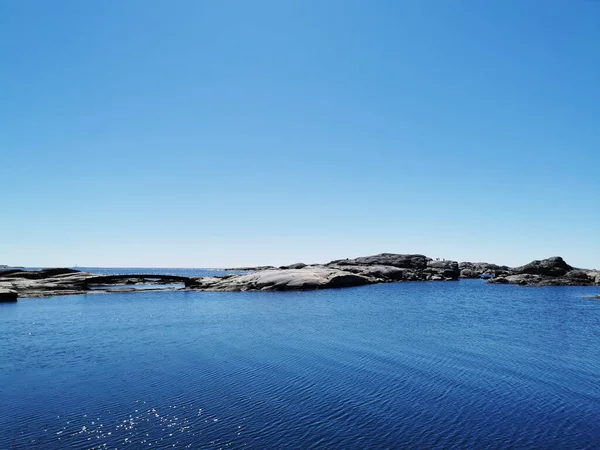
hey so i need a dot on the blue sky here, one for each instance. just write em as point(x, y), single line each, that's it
point(223, 133)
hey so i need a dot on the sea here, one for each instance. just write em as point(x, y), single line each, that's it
point(448, 365)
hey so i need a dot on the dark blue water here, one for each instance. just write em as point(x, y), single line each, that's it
point(413, 365)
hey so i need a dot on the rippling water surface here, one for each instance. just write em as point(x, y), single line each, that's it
point(413, 365)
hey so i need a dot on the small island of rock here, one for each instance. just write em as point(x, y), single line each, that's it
point(382, 268)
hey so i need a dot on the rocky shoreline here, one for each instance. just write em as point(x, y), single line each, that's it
point(382, 268)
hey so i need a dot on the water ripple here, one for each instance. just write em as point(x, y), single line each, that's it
point(450, 365)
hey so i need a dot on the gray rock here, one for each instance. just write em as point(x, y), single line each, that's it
point(8, 295)
point(384, 273)
point(549, 272)
point(284, 280)
point(383, 268)
point(476, 270)
point(594, 276)
point(51, 282)
point(446, 269)
point(38, 274)
point(387, 259)
point(520, 279)
point(469, 273)
point(250, 268)
point(294, 266)
point(553, 267)
point(581, 275)
point(8, 272)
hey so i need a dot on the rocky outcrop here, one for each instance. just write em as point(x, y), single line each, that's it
point(391, 267)
point(482, 270)
point(396, 267)
point(417, 262)
point(383, 273)
point(11, 270)
point(594, 275)
point(249, 268)
point(553, 271)
point(551, 267)
point(39, 274)
point(306, 278)
point(45, 283)
point(51, 282)
point(294, 266)
point(8, 295)
point(445, 269)
point(382, 268)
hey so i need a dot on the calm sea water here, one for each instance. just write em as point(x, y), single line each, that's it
point(414, 365)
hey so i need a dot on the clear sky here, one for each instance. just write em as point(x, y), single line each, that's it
point(221, 133)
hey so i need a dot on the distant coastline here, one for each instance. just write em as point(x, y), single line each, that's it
point(382, 268)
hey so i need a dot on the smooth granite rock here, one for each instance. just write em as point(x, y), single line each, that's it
point(284, 280)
